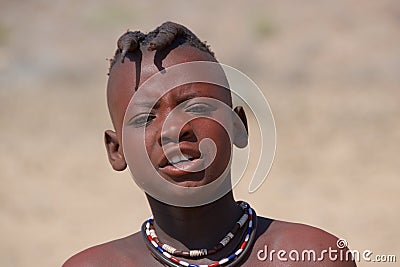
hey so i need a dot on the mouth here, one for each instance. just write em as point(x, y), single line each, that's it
point(177, 163)
point(179, 160)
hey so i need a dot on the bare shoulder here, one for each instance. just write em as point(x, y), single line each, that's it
point(281, 243)
point(296, 234)
point(127, 251)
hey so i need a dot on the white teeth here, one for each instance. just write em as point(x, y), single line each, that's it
point(180, 158)
point(175, 159)
point(187, 157)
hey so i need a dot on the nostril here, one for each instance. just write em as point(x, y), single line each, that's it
point(165, 140)
point(184, 136)
point(176, 134)
point(187, 134)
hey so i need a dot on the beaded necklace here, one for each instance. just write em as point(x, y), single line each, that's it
point(166, 253)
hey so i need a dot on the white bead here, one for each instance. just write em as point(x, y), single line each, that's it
point(223, 261)
point(194, 253)
point(166, 254)
point(154, 243)
point(168, 248)
point(243, 219)
point(198, 252)
point(204, 252)
point(226, 239)
point(152, 233)
point(247, 238)
point(184, 263)
point(238, 251)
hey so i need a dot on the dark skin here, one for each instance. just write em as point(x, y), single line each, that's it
point(174, 225)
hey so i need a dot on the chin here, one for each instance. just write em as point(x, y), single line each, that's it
point(188, 179)
point(196, 179)
point(190, 183)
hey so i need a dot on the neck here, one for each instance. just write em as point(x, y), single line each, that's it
point(195, 227)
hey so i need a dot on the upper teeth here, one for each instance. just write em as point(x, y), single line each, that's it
point(179, 158)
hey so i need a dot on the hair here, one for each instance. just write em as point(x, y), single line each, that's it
point(166, 35)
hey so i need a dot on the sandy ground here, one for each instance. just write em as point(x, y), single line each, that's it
point(330, 70)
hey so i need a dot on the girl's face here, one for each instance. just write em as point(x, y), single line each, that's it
point(172, 131)
point(172, 126)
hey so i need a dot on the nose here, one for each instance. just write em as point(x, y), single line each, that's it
point(176, 130)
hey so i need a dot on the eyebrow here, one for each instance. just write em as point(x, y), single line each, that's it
point(184, 97)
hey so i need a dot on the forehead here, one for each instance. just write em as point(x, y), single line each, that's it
point(125, 78)
point(139, 67)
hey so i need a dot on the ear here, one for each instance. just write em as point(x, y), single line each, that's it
point(240, 127)
point(114, 151)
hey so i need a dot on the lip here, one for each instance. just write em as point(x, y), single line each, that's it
point(182, 168)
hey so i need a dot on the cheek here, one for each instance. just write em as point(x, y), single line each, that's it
point(216, 132)
point(139, 144)
point(151, 144)
point(207, 128)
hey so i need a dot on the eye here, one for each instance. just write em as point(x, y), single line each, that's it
point(141, 119)
point(200, 108)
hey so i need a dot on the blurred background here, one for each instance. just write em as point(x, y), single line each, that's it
point(330, 70)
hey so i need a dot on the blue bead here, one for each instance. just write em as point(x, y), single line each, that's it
point(231, 257)
point(193, 265)
point(160, 249)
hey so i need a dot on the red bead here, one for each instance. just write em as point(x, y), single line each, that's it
point(243, 245)
point(174, 259)
point(214, 264)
